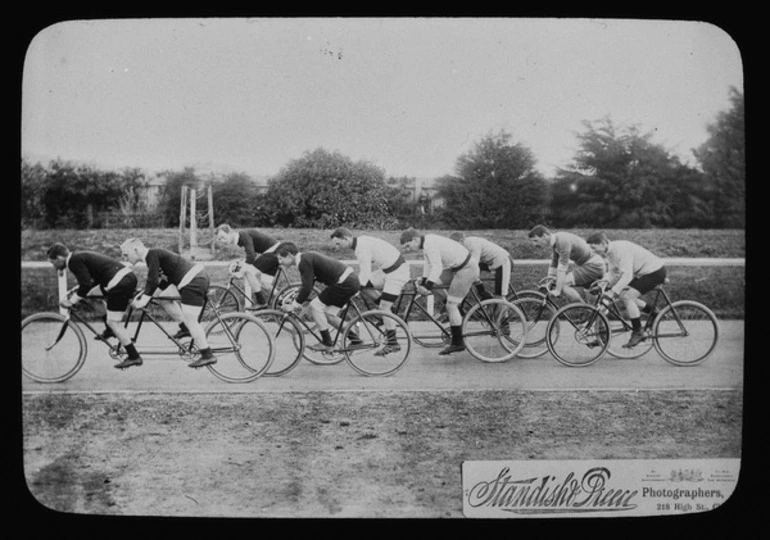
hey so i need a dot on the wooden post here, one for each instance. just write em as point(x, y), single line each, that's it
point(182, 217)
point(211, 220)
point(193, 225)
point(62, 276)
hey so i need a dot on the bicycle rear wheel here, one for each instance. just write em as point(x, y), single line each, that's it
point(288, 338)
point(243, 347)
point(582, 337)
point(53, 349)
point(379, 353)
point(537, 312)
point(494, 330)
point(685, 333)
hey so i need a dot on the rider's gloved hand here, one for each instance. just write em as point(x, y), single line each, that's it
point(141, 301)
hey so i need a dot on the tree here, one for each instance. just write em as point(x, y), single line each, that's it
point(74, 194)
point(33, 180)
point(723, 159)
point(326, 189)
point(495, 186)
point(236, 200)
point(620, 178)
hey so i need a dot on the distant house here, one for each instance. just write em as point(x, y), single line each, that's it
point(154, 189)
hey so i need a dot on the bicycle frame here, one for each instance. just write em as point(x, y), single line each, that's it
point(412, 302)
point(182, 349)
point(659, 293)
point(280, 273)
point(339, 329)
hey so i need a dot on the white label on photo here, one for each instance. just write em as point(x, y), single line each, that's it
point(596, 488)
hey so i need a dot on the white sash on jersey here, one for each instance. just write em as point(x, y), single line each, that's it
point(190, 275)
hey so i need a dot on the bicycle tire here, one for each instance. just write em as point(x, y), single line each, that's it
point(43, 364)
point(499, 320)
point(243, 346)
point(702, 329)
point(287, 337)
point(371, 358)
point(538, 313)
point(579, 341)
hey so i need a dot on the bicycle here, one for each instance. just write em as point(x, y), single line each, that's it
point(233, 297)
point(361, 337)
point(494, 318)
point(683, 332)
point(55, 347)
point(538, 307)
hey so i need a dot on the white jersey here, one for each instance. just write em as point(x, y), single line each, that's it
point(486, 252)
point(441, 252)
point(373, 254)
point(627, 261)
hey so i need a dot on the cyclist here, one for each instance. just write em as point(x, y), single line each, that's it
point(261, 262)
point(565, 246)
point(341, 284)
point(169, 274)
point(381, 268)
point(115, 281)
point(491, 258)
point(449, 263)
point(633, 271)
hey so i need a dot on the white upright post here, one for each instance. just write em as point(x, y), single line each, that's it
point(182, 217)
point(193, 225)
point(62, 277)
point(210, 197)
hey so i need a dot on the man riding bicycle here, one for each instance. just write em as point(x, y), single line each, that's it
point(632, 271)
point(446, 263)
point(99, 274)
point(381, 268)
point(261, 262)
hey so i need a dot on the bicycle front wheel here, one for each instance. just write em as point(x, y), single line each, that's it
point(243, 347)
point(288, 338)
point(685, 333)
point(578, 335)
point(385, 343)
point(53, 348)
point(537, 312)
point(494, 330)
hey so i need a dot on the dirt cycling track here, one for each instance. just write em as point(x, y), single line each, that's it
point(424, 371)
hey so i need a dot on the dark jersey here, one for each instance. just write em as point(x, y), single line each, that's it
point(91, 269)
point(255, 243)
point(162, 263)
point(314, 267)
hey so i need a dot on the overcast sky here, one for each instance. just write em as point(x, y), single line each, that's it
point(410, 95)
